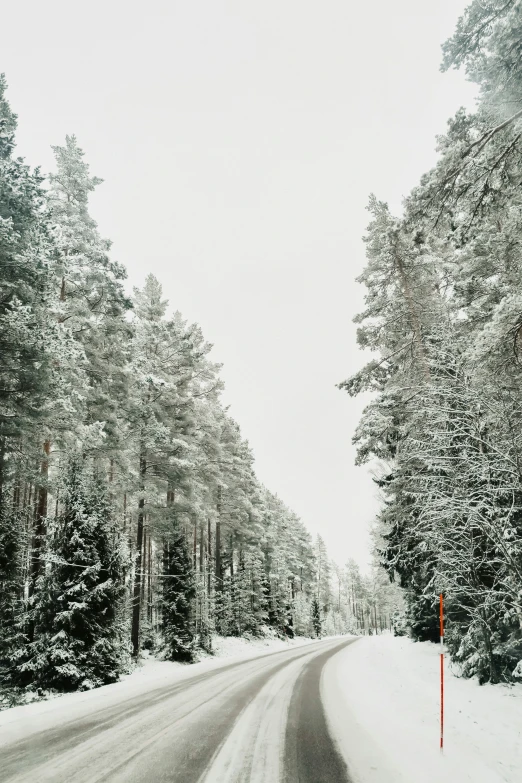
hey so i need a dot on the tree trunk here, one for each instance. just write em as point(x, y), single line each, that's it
point(493, 675)
point(135, 632)
point(414, 316)
point(219, 572)
point(204, 605)
point(143, 612)
point(17, 491)
point(150, 580)
point(28, 529)
point(39, 528)
point(209, 558)
point(162, 586)
point(2, 458)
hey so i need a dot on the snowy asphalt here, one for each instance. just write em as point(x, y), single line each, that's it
point(254, 721)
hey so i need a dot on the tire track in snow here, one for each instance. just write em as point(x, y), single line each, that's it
point(253, 751)
point(311, 755)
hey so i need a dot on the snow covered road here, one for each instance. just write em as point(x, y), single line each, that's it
point(253, 721)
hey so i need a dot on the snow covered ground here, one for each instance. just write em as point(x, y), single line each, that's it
point(381, 697)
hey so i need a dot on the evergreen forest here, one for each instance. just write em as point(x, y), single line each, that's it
point(131, 517)
point(443, 318)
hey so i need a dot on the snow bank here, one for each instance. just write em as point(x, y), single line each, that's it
point(227, 646)
point(381, 696)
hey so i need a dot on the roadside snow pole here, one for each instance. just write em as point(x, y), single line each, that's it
point(441, 672)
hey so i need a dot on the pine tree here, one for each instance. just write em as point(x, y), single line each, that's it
point(165, 358)
point(24, 277)
point(90, 299)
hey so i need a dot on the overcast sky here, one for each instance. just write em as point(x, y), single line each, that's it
point(239, 142)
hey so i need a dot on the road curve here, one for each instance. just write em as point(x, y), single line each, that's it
point(254, 721)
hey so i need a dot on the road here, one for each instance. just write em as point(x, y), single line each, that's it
point(253, 721)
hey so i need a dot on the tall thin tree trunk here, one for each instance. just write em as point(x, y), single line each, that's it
point(493, 675)
point(209, 558)
point(39, 527)
point(165, 563)
point(17, 492)
point(219, 567)
point(143, 613)
point(171, 496)
point(414, 315)
point(135, 632)
point(150, 579)
point(2, 461)
point(28, 531)
point(202, 557)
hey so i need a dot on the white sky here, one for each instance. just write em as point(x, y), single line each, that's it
point(239, 142)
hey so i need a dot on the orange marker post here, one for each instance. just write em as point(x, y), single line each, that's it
point(441, 672)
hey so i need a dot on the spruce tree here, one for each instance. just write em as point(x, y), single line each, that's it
point(78, 644)
point(316, 618)
point(251, 612)
point(302, 615)
point(10, 544)
point(178, 594)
